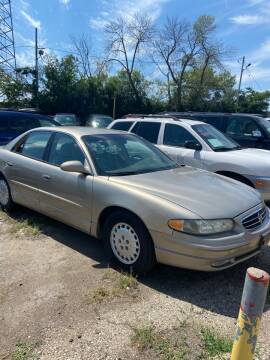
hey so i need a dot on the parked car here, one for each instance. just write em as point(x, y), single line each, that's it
point(67, 119)
point(14, 123)
point(201, 145)
point(248, 130)
point(145, 206)
point(98, 121)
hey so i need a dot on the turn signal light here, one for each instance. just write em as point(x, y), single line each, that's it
point(177, 225)
point(259, 184)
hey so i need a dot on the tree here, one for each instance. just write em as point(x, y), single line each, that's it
point(125, 40)
point(59, 83)
point(88, 64)
point(251, 101)
point(182, 47)
point(15, 91)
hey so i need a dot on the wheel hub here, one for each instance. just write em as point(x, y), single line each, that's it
point(4, 193)
point(125, 243)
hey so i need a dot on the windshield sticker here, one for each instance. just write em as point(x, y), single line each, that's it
point(215, 142)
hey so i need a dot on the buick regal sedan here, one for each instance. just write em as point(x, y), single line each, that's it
point(143, 205)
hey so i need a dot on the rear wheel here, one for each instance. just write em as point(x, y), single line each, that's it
point(6, 202)
point(128, 243)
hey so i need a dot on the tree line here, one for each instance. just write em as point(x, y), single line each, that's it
point(143, 69)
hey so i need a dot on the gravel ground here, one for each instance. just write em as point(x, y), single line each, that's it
point(47, 280)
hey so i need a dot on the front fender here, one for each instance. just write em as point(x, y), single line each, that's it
point(151, 209)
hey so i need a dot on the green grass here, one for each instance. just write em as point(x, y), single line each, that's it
point(25, 224)
point(215, 344)
point(127, 281)
point(146, 338)
point(24, 351)
point(118, 286)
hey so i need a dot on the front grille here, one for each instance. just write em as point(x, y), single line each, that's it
point(255, 220)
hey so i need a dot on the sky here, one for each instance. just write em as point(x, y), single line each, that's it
point(242, 25)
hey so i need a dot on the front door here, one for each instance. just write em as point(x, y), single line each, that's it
point(174, 139)
point(245, 131)
point(66, 196)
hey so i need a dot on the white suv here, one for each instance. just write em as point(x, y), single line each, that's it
point(201, 145)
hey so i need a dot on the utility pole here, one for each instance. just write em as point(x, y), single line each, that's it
point(36, 67)
point(114, 104)
point(243, 68)
point(241, 75)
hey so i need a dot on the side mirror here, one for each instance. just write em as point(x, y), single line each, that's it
point(190, 144)
point(74, 166)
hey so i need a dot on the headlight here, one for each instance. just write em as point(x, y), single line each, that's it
point(201, 227)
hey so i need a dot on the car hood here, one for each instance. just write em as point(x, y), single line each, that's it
point(256, 160)
point(208, 195)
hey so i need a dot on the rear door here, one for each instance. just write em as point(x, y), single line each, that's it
point(24, 168)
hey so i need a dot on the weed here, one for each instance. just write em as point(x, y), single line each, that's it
point(214, 344)
point(147, 338)
point(24, 351)
point(127, 281)
point(98, 295)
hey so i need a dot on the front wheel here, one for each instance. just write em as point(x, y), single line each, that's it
point(128, 243)
point(6, 202)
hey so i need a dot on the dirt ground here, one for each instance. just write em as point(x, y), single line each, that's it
point(59, 300)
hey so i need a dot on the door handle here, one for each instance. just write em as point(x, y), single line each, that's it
point(46, 177)
point(9, 163)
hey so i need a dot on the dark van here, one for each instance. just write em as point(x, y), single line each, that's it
point(246, 129)
point(14, 123)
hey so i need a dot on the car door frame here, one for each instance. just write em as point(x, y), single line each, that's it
point(84, 212)
point(22, 191)
point(205, 147)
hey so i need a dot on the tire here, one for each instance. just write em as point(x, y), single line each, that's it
point(128, 243)
point(6, 202)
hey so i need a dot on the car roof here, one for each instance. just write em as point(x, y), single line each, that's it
point(201, 113)
point(177, 121)
point(80, 130)
point(21, 113)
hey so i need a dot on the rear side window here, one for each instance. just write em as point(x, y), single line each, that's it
point(176, 135)
point(122, 125)
point(35, 145)
point(147, 130)
point(21, 124)
point(4, 121)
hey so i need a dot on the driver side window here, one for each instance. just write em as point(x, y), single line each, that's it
point(175, 135)
point(65, 148)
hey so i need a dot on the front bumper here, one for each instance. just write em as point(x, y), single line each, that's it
point(212, 253)
point(262, 184)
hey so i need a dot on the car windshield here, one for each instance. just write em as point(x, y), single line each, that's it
point(265, 122)
point(101, 122)
point(47, 122)
point(119, 154)
point(214, 138)
point(66, 119)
